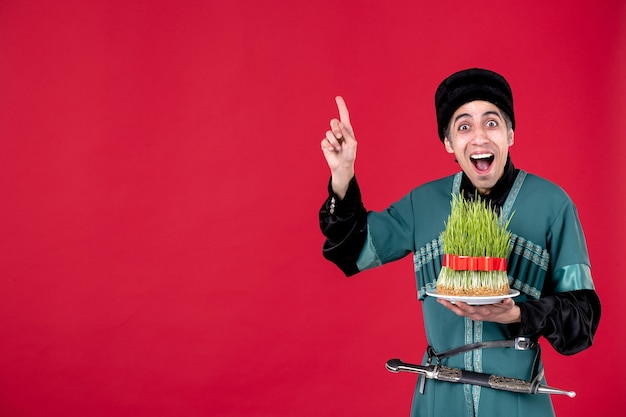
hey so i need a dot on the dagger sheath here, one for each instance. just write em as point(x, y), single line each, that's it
point(484, 380)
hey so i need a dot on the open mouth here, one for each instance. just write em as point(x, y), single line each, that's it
point(482, 161)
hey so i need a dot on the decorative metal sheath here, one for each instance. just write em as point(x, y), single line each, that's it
point(455, 375)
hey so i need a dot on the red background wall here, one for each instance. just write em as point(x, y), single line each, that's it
point(160, 176)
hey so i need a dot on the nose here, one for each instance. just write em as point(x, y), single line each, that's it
point(480, 136)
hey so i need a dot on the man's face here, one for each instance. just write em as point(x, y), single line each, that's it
point(480, 142)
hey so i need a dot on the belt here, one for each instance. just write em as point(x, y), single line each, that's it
point(519, 343)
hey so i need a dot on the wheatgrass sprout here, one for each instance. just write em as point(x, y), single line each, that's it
point(474, 230)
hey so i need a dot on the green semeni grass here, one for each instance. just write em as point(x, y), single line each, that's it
point(474, 229)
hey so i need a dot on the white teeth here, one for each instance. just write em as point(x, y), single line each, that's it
point(481, 156)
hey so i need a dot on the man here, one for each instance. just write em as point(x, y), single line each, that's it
point(548, 262)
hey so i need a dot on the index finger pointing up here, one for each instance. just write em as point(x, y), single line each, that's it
point(344, 116)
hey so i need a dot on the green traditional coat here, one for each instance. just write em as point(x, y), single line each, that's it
point(548, 255)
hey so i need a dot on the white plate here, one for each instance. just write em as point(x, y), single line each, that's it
point(475, 301)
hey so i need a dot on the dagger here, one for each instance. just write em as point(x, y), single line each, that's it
point(444, 373)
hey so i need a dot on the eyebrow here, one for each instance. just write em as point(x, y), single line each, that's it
point(487, 113)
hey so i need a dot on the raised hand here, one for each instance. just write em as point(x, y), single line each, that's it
point(339, 148)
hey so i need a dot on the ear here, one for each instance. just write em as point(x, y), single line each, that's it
point(448, 145)
point(511, 137)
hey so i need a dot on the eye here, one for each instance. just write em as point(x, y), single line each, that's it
point(463, 127)
point(492, 123)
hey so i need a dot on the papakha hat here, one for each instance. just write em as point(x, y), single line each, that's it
point(469, 85)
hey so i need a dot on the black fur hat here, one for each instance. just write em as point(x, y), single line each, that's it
point(469, 85)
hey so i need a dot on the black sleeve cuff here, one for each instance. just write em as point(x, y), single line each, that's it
point(344, 223)
point(568, 320)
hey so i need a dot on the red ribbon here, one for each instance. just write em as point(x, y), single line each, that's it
point(474, 263)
